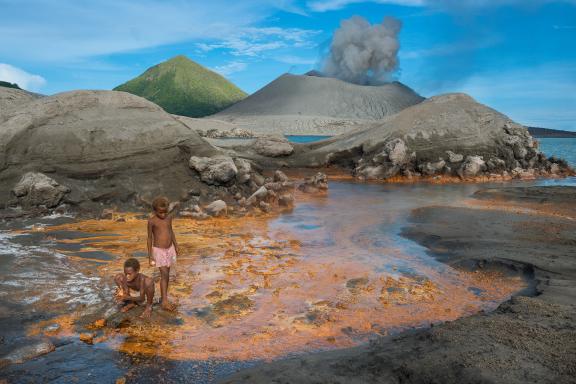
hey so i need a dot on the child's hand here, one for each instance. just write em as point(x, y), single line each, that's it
point(152, 263)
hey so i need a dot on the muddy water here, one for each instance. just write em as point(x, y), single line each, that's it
point(332, 273)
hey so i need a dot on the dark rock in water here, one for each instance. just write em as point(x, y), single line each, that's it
point(286, 200)
point(234, 305)
point(316, 183)
point(357, 283)
point(27, 352)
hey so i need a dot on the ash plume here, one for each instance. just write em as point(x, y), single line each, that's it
point(362, 53)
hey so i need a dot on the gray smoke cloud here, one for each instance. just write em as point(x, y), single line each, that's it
point(363, 53)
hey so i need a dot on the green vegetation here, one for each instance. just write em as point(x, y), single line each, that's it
point(183, 87)
point(9, 85)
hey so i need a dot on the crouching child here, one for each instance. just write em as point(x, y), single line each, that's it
point(132, 279)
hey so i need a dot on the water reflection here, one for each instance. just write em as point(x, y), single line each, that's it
point(332, 273)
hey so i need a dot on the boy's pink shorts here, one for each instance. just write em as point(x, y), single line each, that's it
point(164, 257)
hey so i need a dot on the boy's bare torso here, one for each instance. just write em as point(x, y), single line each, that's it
point(137, 283)
point(162, 231)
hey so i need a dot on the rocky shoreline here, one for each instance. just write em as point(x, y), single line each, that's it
point(526, 340)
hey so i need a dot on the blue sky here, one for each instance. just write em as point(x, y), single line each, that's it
point(516, 56)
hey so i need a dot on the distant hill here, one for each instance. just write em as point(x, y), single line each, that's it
point(183, 87)
point(545, 132)
point(9, 85)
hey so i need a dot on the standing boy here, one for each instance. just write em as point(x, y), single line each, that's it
point(162, 246)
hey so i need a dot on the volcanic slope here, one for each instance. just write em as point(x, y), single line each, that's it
point(11, 98)
point(183, 87)
point(301, 104)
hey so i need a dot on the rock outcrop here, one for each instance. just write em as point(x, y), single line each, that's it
point(11, 99)
point(449, 135)
point(103, 145)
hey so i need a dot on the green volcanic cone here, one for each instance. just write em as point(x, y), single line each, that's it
point(183, 87)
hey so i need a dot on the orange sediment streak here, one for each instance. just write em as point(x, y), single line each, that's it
point(246, 290)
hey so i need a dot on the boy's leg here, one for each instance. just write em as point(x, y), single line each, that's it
point(149, 293)
point(164, 281)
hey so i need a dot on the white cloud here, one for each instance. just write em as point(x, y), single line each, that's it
point(232, 67)
point(331, 5)
point(295, 60)
point(254, 41)
point(24, 79)
point(65, 30)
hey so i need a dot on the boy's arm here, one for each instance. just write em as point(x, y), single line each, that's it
point(174, 239)
point(141, 297)
point(149, 244)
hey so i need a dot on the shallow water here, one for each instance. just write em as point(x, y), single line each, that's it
point(563, 148)
point(332, 273)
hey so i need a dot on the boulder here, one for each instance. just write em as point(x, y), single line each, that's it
point(273, 146)
point(280, 176)
point(454, 157)
point(435, 168)
point(216, 208)
point(316, 183)
point(244, 168)
point(27, 352)
point(265, 207)
point(217, 170)
point(35, 189)
point(473, 166)
point(395, 152)
point(260, 194)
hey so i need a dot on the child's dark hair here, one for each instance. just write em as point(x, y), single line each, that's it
point(160, 202)
point(132, 263)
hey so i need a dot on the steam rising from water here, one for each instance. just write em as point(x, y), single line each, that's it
point(362, 53)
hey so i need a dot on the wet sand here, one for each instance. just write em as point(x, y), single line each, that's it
point(526, 340)
point(333, 273)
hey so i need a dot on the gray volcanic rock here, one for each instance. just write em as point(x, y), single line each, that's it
point(104, 145)
point(418, 140)
point(308, 104)
point(27, 352)
point(35, 189)
point(217, 170)
point(272, 146)
point(11, 99)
